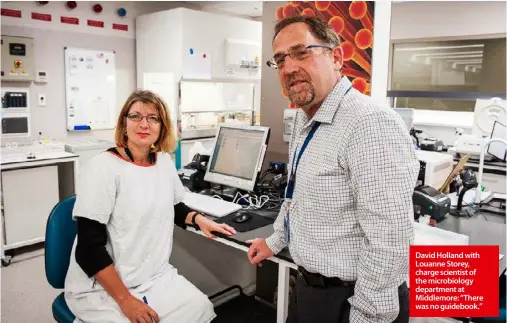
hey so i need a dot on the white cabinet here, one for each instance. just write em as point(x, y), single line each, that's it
point(29, 195)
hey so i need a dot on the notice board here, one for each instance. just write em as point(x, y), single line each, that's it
point(90, 89)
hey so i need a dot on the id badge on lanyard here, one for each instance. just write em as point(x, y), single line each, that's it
point(286, 223)
point(289, 191)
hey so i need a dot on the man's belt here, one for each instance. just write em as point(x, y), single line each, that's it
point(318, 280)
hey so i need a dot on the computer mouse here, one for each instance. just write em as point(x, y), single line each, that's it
point(207, 192)
point(241, 216)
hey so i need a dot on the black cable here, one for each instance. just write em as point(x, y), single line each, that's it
point(477, 210)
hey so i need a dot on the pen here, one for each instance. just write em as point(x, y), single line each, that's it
point(146, 302)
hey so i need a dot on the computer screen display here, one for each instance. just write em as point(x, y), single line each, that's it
point(237, 156)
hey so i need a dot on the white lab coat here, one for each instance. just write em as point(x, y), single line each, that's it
point(137, 205)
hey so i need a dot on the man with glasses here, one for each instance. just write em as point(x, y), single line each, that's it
point(348, 213)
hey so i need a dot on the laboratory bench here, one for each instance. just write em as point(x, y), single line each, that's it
point(274, 276)
point(31, 186)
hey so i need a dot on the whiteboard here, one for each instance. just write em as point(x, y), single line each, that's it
point(90, 89)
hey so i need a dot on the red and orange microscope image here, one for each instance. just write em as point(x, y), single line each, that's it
point(353, 23)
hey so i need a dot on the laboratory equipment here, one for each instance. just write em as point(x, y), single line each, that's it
point(237, 156)
point(429, 201)
point(469, 181)
point(498, 149)
point(15, 100)
point(289, 117)
point(192, 175)
point(424, 143)
point(485, 114)
point(478, 191)
point(41, 77)
point(431, 144)
point(16, 125)
point(51, 174)
point(217, 102)
point(210, 205)
point(434, 168)
point(14, 153)
point(17, 59)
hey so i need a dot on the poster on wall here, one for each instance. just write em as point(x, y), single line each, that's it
point(353, 23)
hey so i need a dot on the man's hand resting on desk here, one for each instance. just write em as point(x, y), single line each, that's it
point(258, 251)
point(208, 226)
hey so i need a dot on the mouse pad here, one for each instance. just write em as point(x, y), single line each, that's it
point(256, 221)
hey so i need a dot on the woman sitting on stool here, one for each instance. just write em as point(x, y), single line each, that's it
point(129, 199)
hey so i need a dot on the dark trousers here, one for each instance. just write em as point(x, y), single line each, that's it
point(330, 305)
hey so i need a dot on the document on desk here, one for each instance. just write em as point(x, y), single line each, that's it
point(428, 235)
point(468, 198)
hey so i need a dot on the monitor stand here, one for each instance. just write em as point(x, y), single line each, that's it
point(225, 192)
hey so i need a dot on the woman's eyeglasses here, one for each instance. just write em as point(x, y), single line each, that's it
point(297, 54)
point(136, 117)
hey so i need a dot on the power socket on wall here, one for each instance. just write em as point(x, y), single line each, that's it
point(41, 100)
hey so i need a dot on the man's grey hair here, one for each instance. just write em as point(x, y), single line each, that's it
point(318, 28)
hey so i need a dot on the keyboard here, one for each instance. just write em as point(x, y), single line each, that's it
point(210, 205)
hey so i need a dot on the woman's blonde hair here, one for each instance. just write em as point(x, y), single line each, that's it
point(166, 141)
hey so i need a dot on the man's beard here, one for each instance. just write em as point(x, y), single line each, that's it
point(304, 95)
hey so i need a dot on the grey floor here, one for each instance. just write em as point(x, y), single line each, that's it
point(27, 296)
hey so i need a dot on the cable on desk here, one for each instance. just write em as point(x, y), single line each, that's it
point(476, 209)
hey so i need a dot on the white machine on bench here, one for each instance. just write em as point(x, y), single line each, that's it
point(486, 113)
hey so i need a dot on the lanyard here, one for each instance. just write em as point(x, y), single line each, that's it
point(151, 158)
point(290, 185)
point(289, 192)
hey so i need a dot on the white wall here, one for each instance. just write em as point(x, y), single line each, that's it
point(50, 38)
point(437, 19)
point(197, 33)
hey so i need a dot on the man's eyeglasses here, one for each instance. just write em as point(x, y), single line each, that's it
point(298, 54)
point(136, 117)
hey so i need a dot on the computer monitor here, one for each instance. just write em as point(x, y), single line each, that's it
point(237, 156)
point(407, 115)
point(497, 148)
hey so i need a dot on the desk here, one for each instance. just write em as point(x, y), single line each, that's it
point(483, 229)
point(30, 189)
point(283, 259)
point(475, 228)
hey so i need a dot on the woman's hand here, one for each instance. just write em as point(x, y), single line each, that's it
point(208, 226)
point(137, 311)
